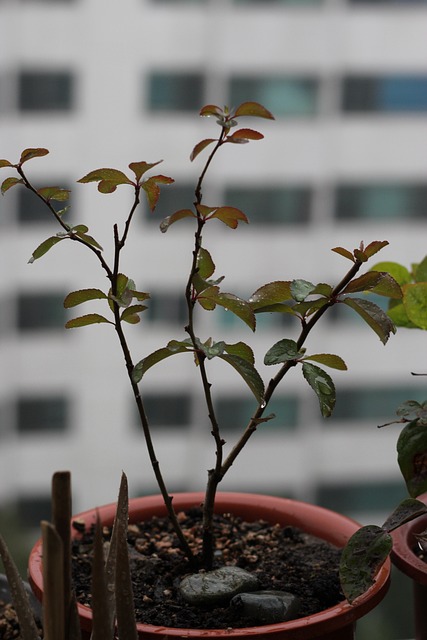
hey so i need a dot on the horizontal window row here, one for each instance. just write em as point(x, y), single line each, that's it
point(274, 204)
point(52, 413)
point(284, 95)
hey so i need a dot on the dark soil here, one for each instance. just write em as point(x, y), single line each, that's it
point(9, 626)
point(283, 558)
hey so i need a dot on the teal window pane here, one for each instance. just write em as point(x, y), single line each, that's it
point(35, 414)
point(40, 311)
point(278, 2)
point(272, 205)
point(381, 201)
point(373, 403)
point(392, 94)
point(168, 307)
point(168, 409)
point(234, 413)
point(361, 497)
point(175, 91)
point(284, 96)
point(173, 197)
point(45, 91)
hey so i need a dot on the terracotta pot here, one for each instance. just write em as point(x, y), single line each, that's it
point(336, 623)
point(403, 556)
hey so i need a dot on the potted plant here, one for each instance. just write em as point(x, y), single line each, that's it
point(306, 302)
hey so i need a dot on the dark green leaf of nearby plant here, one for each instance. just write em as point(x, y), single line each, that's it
point(283, 351)
point(329, 360)
point(208, 296)
point(309, 307)
point(323, 289)
point(200, 146)
point(413, 410)
point(83, 295)
point(213, 349)
point(378, 282)
point(322, 385)
point(84, 321)
point(364, 554)
point(88, 240)
point(374, 316)
point(406, 511)
point(397, 271)
point(27, 154)
point(300, 289)
point(242, 350)
point(412, 457)
point(415, 301)
point(157, 356)
point(239, 307)
point(9, 183)
point(271, 293)
point(248, 372)
point(178, 215)
point(44, 247)
point(253, 109)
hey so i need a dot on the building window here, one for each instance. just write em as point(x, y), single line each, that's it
point(380, 201)
point(234, 413)
point(172, 198)
point(42, 414)
point(283, 96)
point(31, 210)
point(373, 403)
point(361, 497)
point(392, 94)
point(31, 510)
point(40, 311)
point(175, 91)
point(272, 205)
point(166, 307)
point(168, 409)
point(45, 91)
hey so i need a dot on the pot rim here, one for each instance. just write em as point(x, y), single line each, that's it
point(294, 512)
point(404, 541)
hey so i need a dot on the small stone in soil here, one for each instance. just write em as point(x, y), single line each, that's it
point(216, 587)
point(266, 607)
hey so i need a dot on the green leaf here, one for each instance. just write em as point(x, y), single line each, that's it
point(397, 313)
point(413, 410)
point(283, 351)
point(300, 289)
point(406, 511)
point(27, 154)
point(305, 309)
point(421, 271)
point(364, 554)
point(88, 239)
point(54, 193)
point(130, 314)
point(205, 264)
point(329, 360)
point(374, 316)
point(229, 216)
point(212, 349)
point(248, 372)
point(84, 321)
point(253, 109)
point(415, 302)
point(139, 168)
point(397, 271)
point(200, 146)
point(378, 282)
point(178, 215)
point(230, 302)
point(9, 183)
point(270, 294)
point(44, 247)
point(412, 457)
point(157, 356)
point(344, 252)
point(108, 179)
point(322, 385)
point(83, 295)
point(5, 163)
point(242, 350)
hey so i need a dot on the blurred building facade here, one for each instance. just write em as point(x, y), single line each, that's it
point(104, 84)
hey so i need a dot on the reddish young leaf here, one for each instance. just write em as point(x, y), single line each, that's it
point(178, 215)
point(139, 168)
point(204, 210)
point(27, 154)
point(253, 109)
point(108, 179)
point(374, 247)
point(211, 110)
point(54, 193)
point(5, 163)
point(9, 183)
point(244, 135)
point(343, 252)
point(229, 216)
point(200, 146)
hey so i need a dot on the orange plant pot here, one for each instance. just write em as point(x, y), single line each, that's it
point(335, 623)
